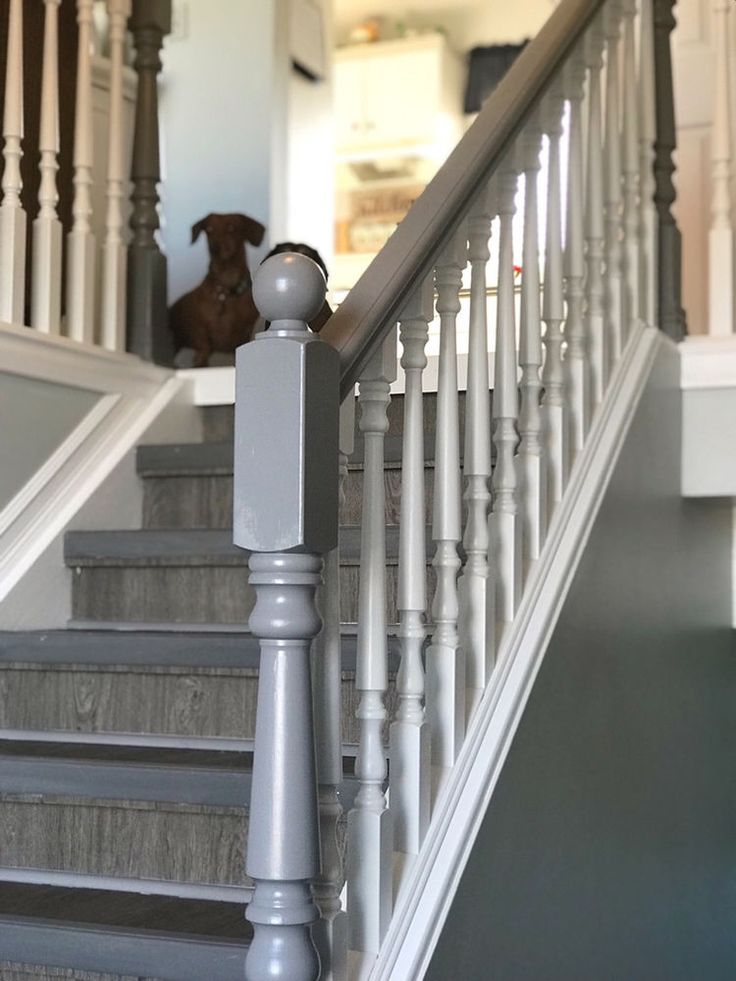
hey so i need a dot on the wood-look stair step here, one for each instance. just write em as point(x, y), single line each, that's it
point(195, 575)
point(121, 936)
point(174, 822)
point(159, 688)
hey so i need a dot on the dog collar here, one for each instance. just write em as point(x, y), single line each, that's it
point(223, 292)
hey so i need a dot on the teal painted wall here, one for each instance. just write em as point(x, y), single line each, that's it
point(608, 852)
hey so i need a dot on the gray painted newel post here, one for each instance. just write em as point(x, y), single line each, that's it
point(147, 314)
point(285, 512)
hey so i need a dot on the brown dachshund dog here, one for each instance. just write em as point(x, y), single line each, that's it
point(219, 315)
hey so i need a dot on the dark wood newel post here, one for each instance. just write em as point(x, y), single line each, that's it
point(671, 313)
point(147, 332)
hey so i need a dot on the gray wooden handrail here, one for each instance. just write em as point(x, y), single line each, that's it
point(371, 308)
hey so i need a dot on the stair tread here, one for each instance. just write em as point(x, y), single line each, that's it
point(131, 911)
point(103, 773)
point(161, 648)
point(216, 459)
point(197, 547)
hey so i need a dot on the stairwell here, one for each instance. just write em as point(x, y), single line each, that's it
point(127, 738)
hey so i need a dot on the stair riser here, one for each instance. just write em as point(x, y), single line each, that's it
point(212, 704)
point(207, 501)
point(196, 594)
point(173, 842)
point(217, 420)
point(22, 972)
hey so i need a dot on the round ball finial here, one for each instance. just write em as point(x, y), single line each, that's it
point(289, 286)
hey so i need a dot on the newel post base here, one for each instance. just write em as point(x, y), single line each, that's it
point(285, 512)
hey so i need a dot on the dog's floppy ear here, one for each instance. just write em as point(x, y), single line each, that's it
point(253, 231)
point(200, 227)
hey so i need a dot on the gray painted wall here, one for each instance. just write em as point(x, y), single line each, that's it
point(36, 418)
point(608, 850)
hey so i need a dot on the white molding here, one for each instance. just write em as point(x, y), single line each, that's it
point(211, 386)
point(425, 900)
point(708, 362)
point(75, 478)
point(27, 352)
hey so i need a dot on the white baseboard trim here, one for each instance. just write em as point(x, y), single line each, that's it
point(431, 884)
point(27, 352)
point(708, 362)
point(211, 386)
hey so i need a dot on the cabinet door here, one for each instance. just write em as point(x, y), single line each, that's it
point(349, 103)
point(401, 97)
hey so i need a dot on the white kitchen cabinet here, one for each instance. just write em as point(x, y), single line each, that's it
point(397, 94)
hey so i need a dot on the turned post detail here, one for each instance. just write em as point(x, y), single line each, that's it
point(147, 332)
point(671, 315)
point(286, 513)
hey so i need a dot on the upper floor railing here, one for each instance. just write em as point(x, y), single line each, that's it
point(71, 270)
point(592, 97)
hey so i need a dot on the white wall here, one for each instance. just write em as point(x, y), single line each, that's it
point(219, 123)
point(240, 132)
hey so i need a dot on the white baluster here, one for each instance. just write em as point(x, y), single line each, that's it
point(632, 217)
point(370, 839)
point(721, 236)
point(531, 463)
point(445, 697)
point(577, 373)
point(647, 133)
point(330, 934)
point(410, 774)
point(114, 251)
point(80, 288)
point(594, 233)
point(554, 402)
point(504, 523)
point(612, 190)
point(47, 233)
point(476, 625)
point(12, 215)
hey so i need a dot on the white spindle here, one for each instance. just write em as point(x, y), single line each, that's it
point(530, 461)
point(476, 622)
point(594, 233)
point(632, 217)
point(721, 295)
point(554, 403)
point(12, 215)
point(330, 932)
point(410, 774)
point(81, 241)
point(504, 523)
point(370, 840)
point(114, 252)
point(647, 133)
point(577, 374)
point(445, 698)
point(612, 190)
point(47, 233)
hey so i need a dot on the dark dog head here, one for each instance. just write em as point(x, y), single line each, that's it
point(326, 312)
point(227, 234)
point(302, 249)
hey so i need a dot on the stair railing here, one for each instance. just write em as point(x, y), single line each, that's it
point(562, 130)
point(77, 286)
